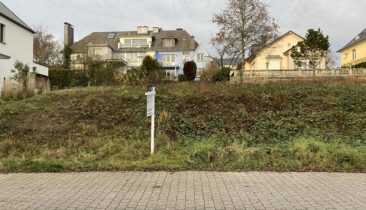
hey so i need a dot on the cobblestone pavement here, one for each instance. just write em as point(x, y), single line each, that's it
point(183, 190)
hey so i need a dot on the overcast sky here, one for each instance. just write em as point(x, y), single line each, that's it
point(341, 20)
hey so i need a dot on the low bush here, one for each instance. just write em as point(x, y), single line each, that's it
point(182, 78)
point(360, 65)
point(222, 75)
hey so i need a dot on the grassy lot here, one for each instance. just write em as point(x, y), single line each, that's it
point(282, 127)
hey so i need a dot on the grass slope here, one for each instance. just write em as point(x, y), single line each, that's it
point(282, 127)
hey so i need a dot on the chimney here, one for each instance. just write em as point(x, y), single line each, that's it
point(142, 29)
point(68, 34)
point(156, 30)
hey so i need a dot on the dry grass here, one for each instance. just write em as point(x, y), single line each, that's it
point(13, 90)
point(31, 86)
point(210, 126)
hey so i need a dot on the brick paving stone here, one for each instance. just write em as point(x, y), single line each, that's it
point(183, 190)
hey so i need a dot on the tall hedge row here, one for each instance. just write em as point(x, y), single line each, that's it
point(62, 78)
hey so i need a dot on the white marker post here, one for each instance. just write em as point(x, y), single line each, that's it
point(151, 113)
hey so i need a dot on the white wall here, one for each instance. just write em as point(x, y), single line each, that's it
point(201, 65)
point(19, 46)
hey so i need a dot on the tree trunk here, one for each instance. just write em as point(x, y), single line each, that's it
point(221, 62)
point(242, 61)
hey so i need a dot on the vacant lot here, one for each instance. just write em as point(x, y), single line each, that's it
point(283, 127)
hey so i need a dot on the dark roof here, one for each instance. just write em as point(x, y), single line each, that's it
point(274, 41)
point(358, 39)
point(2, 56)
point(184, 41)
point(8, 14)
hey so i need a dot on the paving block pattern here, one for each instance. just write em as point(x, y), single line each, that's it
point(183, 190)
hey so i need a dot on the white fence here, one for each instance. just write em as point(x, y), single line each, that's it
point(300, 73)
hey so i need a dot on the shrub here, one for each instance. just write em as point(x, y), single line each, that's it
point(222, 75)
point(132, 77)
point(182, 78)
point(360, 65)
point(190, 70)
point(104, 76)
point(210, 71)
point(152, 69)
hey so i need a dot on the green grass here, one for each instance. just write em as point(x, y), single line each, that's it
point(281, 127)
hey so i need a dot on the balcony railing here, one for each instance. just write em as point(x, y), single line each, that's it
point(133, 45)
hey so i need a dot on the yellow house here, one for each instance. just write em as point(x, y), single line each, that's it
point(355, 51)
point(277, 55)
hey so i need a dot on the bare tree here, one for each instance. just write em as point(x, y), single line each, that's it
point(262, 41)
point(225, 47)
point(330, 60)
point(244, 22)
point(46, 48)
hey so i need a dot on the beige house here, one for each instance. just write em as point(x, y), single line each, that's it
point(354, 52)
point(277, 55)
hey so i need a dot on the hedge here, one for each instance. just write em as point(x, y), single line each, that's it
point(360, 65)
point(62, 78)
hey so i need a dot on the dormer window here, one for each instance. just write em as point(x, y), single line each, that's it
point(2, 33)
point(168, 42)
point(357, 37)
point(111, 35)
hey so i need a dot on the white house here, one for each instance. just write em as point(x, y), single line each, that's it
point(202, 58)
point(16, 44)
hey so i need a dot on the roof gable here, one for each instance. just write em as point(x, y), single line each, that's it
point(274, 42)
point(8, 14)
point(184, 41)
point(358, 39)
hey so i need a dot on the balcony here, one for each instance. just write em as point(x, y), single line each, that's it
point(129, 46)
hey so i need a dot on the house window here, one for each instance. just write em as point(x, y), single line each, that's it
point(168, 58)
point(135, 43)
point(168, 42)
point(345, 55)
point(136, 57)
point(2, 33)
point(200, 57)
point(170, 74)
point(354, 54)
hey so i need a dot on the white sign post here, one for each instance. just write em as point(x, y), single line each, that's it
point(151, 113)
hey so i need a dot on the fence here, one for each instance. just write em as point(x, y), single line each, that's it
point(299, 73)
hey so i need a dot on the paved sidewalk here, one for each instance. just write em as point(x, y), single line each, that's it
point(183, 190)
